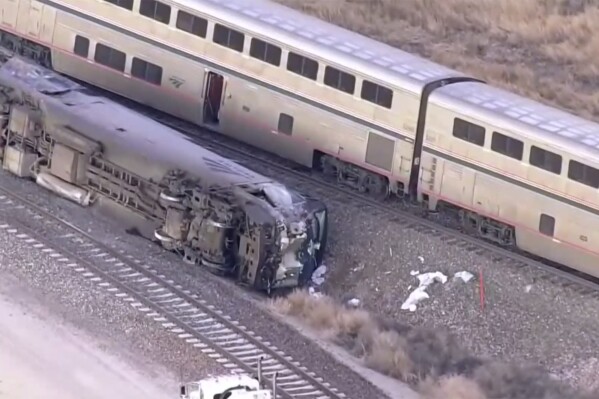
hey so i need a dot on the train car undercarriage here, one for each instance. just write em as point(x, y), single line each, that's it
point(230, 230)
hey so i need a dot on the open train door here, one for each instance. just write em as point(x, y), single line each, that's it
point(213, 95)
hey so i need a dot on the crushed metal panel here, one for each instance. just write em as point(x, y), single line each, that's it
point(379, 151)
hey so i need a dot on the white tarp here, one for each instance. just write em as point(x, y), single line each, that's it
point(419, 293)
point(318, 275)
point(464, 275)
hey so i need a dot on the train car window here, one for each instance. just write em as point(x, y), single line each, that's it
point(547, 225)
point(583, 174)
point(156, 10)
point(376, 94)
point(545, 160)
point(128, 4)
point(285, 124)
point(469, 132)
point(192, 24)
point(265, 51)
point(339, 80)
point(146, 70)
point(507, 146)
point(228, 37)
point(81, 46)
point(303, 66)
point(110, 57)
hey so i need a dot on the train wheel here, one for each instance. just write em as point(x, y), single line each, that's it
point(167, 242)
point(376, 186)
point(168, 198)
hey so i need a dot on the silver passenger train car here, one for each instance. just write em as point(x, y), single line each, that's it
point(212, 211)
point(374, 117)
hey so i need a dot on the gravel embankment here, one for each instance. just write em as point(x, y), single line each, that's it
point(549, 325)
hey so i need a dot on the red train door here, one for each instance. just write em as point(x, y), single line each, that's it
point(213, 97)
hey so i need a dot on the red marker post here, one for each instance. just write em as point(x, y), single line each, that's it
point(481, 289)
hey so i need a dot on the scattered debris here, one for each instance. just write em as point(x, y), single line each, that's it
point(358, 268)
point(318, 275)
point(427, 279)
point(313, 292)
point(464, 275)
point(414, 272)
point(317, 280)
point(416, 296)
point(419, 293)
point(354, 302)
point(528, 288)
point(421, 259)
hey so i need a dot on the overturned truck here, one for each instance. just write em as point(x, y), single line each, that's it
point(212, 211)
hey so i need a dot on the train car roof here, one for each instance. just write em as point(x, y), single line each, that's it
point(522, 116)
point(120, 127)
point(340, 47)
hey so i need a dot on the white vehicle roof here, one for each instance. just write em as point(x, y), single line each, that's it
point(325, 41)
point(209, 387)
point(521, 116)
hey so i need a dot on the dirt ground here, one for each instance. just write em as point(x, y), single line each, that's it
point(544, 49)
point(44, 357)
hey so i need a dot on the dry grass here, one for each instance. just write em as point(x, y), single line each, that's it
point(451, 387)
point(387, 354)
point(429, 360)
point(545, 49)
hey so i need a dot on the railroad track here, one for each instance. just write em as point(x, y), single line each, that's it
point(305, 181)
point(181, 312)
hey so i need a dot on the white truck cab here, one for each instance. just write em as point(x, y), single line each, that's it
point(229, 387)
